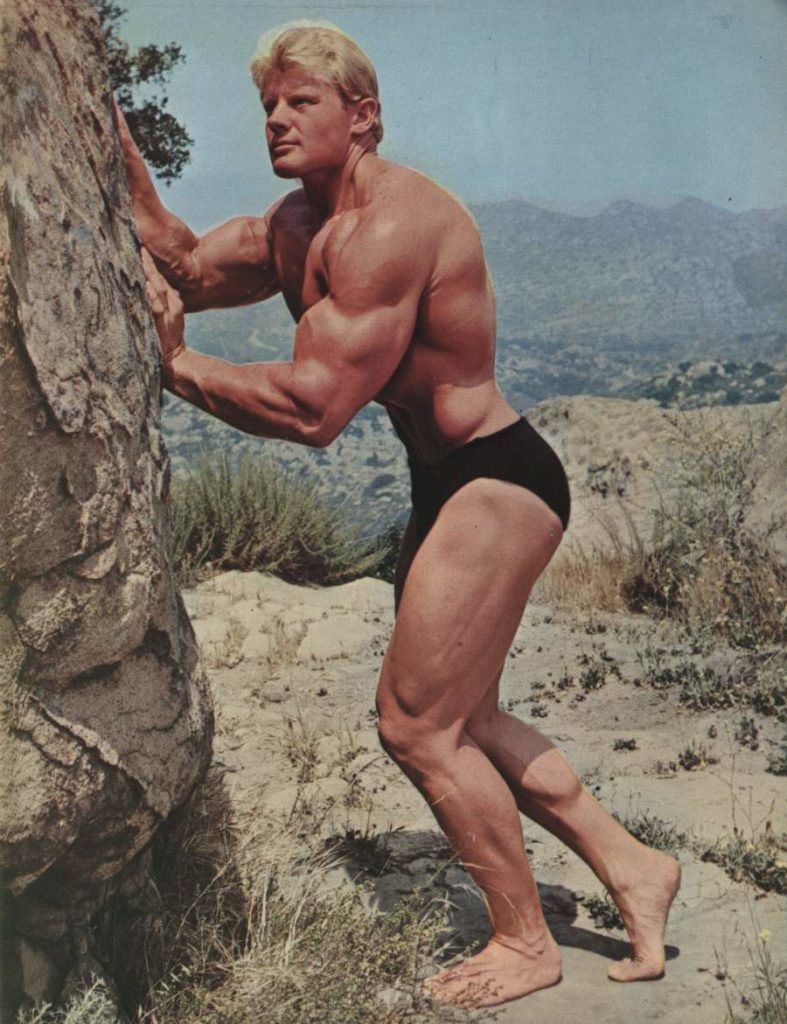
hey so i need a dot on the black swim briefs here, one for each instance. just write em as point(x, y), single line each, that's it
point(517, 454)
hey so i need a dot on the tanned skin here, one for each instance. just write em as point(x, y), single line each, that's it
point(384, 273)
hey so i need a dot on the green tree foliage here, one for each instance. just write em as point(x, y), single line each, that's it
point(162, 139)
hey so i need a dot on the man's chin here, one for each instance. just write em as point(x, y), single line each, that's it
point(284, 172)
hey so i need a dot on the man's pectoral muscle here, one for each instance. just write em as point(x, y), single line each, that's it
point(347, 346)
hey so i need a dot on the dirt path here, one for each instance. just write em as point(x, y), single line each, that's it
point(293, 672)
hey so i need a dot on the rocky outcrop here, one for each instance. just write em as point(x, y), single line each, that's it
point(106, 721)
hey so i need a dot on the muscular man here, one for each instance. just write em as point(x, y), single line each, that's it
point(384, 273)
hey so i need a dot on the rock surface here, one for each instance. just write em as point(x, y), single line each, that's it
point(106, 721)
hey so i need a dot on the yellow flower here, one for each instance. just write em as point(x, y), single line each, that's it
point(765, 935)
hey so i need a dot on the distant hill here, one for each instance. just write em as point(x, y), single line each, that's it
point(690, 279)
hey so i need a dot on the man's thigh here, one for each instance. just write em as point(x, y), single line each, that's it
point(463, 599)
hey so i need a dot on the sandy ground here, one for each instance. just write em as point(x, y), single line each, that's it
point(277, 653)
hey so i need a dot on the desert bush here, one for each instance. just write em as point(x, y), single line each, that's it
point(253, 515)
point(759, 860)
point(654, 831)
point(707, 566)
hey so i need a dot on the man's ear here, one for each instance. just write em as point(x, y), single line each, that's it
point(365, 113)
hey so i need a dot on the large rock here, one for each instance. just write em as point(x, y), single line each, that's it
point(106, 721)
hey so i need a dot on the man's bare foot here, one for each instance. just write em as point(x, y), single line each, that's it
point(497, 974)
point(644, 905)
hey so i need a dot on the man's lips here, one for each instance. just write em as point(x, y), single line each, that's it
point(277, 147)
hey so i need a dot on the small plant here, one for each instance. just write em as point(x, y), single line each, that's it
point(747, 733)
point(367, 850)
point(655, 832)
point(225, 653)
point(93, 1005)
point(621, 744)
point(694, 757)
point(603, 911)
point(762, 860)
point(597, 669)
point(767, 1004)
point(302, 747)
point(285, 639)
point(777, 760)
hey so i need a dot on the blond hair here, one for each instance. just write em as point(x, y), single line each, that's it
point(326, 52)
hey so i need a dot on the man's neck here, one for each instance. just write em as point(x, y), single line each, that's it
point(337, 189)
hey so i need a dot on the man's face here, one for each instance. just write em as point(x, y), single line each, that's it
point(308, 126)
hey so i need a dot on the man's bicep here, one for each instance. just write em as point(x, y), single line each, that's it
point(351, 352)
point(234, 264)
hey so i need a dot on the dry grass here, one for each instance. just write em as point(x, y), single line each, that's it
point(250, 933)
point(586, 581)
point(705, 565)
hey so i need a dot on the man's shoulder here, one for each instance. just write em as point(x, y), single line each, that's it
point(290, 209)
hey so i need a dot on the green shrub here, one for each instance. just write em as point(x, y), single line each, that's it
point(655, 832)
point(253, 515)
point(707, 565)
point(759, 861)
point(88, 1005)
point(603, 911)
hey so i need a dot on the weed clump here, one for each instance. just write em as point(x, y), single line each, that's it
point(603, 911)
point(755, 680)
point(654, 832)
point(252, 515)
point(707, 566)
point(762, 860)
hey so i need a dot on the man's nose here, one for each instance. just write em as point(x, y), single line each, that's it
point(276, 121)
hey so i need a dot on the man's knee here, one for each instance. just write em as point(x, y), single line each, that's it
point(410, 739)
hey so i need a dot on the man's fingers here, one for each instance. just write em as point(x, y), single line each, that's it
point(161, 294)
point(154, 298)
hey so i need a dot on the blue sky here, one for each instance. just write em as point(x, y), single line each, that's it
point(567, 102)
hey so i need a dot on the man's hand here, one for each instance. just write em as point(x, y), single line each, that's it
point(167, 308)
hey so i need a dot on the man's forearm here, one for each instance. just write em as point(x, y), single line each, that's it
point(264, 399)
